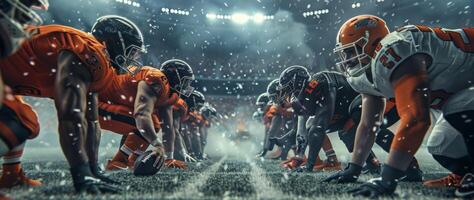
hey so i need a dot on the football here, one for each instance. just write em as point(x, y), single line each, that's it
point(148, 164)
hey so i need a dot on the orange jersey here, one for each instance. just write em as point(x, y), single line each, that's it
point(182, 108)
point(18, 121)
point(119, 119)
point(123, 89)
point(31, 71)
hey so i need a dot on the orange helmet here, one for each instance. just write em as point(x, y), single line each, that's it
point(356, 43)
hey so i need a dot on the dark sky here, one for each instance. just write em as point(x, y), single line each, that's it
point(222, 49)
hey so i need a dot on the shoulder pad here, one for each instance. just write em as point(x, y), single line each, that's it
point(393, 50)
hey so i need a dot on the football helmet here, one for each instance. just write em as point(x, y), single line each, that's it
point(262, 100)
point(180, 76)
point(195, 101)
point(292, 81)
point(357, 40)
point(208, 111)
point(14, 14)
point(273, 93)
point(123, 40)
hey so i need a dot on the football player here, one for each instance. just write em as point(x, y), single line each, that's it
point(72, 66)
point(282, 111)
point(14, 15)
point(149, 91)
point(414, 66)
point(317, 96)
point(262, 105)
point(119, 119)
point(180, 115)
point(278, 120)
point(191, 126)
point(209, 115)
point(18, 121)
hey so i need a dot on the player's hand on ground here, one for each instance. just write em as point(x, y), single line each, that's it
point(375, 188)
point(350, 174)
point(100, 174)
point(93, 185)
point(188, 158)
point(177, 164)
point(293, 163)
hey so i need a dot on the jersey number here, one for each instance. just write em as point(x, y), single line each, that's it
point(311, 86)
point(389, 63)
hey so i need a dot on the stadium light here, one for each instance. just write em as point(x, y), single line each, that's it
point(168, 11)
point(258, 18)
point(240, 18)
point(316, 12)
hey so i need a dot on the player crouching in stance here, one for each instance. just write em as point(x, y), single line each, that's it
point(415, 66)
point(326, 98)
point(150, 95)
point(283, 117)
point(18, 121)
point(71, 67)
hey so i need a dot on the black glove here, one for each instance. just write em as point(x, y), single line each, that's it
point(382, 186)
point(84, 182)
point(375, 188)
point(98, 173)
point(350, 174)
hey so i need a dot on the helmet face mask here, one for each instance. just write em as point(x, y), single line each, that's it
point(180, 76)
point(291, 89)
point(130, 60)
point(353, 60)
point(262, 101)
point(184, 88)
point(275, 96)
point(286, 91)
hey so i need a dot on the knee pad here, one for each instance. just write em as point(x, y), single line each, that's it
point(445, 140)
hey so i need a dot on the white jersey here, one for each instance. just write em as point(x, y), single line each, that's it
point(452, 53)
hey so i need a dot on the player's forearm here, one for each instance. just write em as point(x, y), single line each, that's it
point(168, 138)
point(364, 140)
point(146, 128)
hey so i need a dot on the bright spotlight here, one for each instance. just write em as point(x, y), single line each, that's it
point(240, 18)
point(211, 16)
point(258, 18)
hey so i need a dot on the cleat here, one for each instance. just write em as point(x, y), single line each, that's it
point(293, 163)
point(466, 189)
point(17, 179)
point(451, 180)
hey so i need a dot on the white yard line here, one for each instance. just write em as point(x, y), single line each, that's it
point(191, 189)
point(264, 188)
